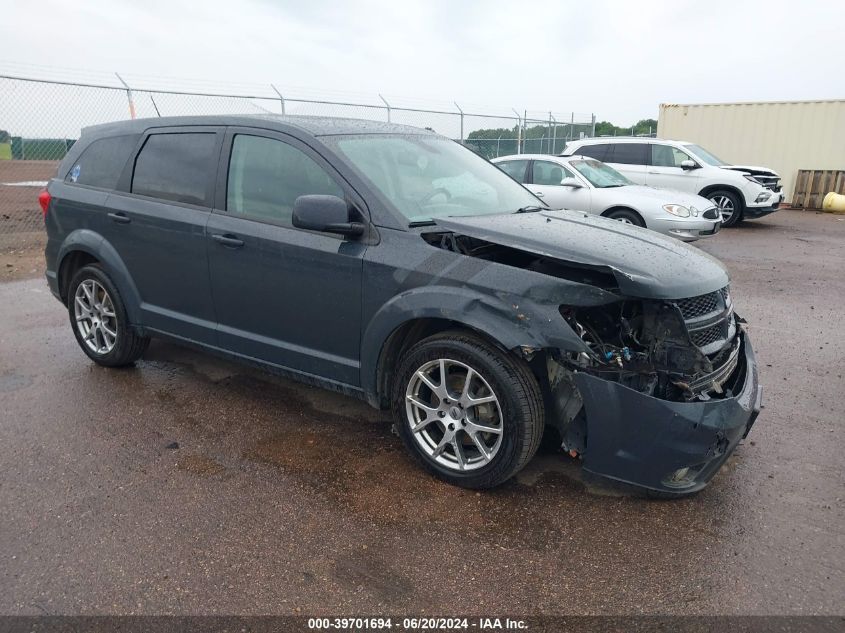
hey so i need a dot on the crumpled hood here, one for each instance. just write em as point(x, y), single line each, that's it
point(752, 169)
point(644, 263)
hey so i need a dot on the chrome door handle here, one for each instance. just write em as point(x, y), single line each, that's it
point(228, 240)
point(539, 194)
point(120, 218)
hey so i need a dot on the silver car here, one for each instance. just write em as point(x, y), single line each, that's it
point(585, 184)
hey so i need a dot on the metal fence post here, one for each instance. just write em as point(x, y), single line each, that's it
point(128, 96)
point(593, 131)
point(281, 98)
point(572, 126)
point(554, 134)
point(462, 120)
point(388, 107)
point(498, 141)
point(524, 128)
point(518, 133)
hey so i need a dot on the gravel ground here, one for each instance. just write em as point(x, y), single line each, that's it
point(21, 222)
point(283, 499)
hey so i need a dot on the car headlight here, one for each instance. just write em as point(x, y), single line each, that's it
point(752, 179)
point(676, 209)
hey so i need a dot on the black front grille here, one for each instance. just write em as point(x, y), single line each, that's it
point(698, 306)
point(702, 338)
point(711, 214)
point(772, 184)
point(707, 317)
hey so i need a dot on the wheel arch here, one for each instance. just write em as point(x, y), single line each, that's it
point(622, 207)
point(411, 317)
point(83, 247)
point(711, 189)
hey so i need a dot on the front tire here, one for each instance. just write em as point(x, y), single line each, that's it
point(625, 216)
point(98, 319)
point(469, 413)
point(729, 205)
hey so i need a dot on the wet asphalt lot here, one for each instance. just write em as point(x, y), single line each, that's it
point(287, 499)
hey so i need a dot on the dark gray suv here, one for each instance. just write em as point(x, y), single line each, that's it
point(395, 265)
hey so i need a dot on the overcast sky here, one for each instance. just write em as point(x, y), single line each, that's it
point(617, 59)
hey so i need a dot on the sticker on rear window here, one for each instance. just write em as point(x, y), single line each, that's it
point(74, 173)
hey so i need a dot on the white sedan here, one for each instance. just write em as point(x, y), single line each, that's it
point(586, 184)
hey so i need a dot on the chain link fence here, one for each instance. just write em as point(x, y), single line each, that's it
point(41, 119)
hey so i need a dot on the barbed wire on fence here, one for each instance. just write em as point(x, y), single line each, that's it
point(40, 119)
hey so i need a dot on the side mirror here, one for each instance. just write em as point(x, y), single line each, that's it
point(686, 165)
point(328, 214)
point(569, 181)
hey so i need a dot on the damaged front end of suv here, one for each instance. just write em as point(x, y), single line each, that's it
point(654, 386)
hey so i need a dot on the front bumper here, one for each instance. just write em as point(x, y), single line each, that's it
point(759, 209)
point(751, 213)
point(686, 230)
point(640, 440)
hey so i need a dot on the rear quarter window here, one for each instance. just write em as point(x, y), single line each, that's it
point(101, 163)
point(593, 151)
point(176, 166)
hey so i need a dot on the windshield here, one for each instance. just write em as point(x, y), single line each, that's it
point(430, 177)
point(706, 156)
point(599, 174)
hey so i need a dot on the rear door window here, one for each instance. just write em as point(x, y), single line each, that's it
point(177, 167)
point(266, 176)
point(102, 162)
point(629, 154)
point(514, 168)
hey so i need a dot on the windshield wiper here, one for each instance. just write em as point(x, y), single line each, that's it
point(530, 209)
point(611, 186)
point(421, 223)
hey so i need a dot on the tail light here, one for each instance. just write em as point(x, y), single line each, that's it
point(44, 200)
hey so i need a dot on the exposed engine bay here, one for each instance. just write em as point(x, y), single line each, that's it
point(678, 350)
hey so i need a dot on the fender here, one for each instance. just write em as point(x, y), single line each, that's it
point(512, 321)
point(705, 191)
point(97, 246)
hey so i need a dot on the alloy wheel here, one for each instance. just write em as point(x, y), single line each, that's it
point(95, 317)
point(454, 415)
point(725, 206)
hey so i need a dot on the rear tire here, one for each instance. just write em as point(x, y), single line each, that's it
point(98, 319)
point(729, 205)
point(442, 428)
point(625, 215)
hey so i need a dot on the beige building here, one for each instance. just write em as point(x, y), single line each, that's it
point(783, 135)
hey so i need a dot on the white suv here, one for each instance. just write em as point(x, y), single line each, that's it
point(740, 191)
